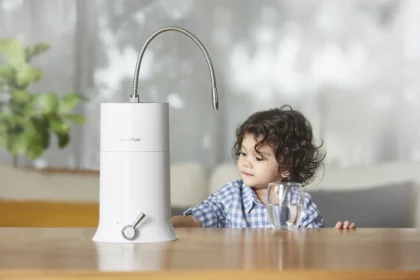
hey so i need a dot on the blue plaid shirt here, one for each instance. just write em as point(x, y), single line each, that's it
point(236, 205)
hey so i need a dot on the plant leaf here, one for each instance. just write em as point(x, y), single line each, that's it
point(3, 115)
point(37, 134)
point(14, 121)
point(32, 134)
point(59, 126)
point(3, 140)
point(62, 131)
point(69, 101)
point(79, 119)
point(13, 51)
point(6, 72)
point(8, 118)
point(3, 132)
point(41, 127)
point(27, 75)
point(21, 96)
point(30, 107)
point(18, 143)
point(34, 50)
point(63, 140)
point(47, 103)
point(18, 102)
point(34, 151)
point(3, 126)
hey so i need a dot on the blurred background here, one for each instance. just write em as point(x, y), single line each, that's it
point(350, 66)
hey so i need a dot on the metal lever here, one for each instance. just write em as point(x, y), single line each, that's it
point(129, 232)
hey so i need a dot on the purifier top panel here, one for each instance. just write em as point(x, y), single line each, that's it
point(134, 127)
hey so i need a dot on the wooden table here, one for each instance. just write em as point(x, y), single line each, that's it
point(53, 253)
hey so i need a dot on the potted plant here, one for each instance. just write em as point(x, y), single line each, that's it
point(28, 119)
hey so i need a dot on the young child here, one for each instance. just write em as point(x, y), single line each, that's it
point(271, 146)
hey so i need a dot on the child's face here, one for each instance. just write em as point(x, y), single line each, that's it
point(257, 170)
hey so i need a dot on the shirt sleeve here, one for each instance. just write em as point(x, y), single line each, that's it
point(312, 217)
point(209, 212)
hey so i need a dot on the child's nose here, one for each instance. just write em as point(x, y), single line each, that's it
point(247, 162)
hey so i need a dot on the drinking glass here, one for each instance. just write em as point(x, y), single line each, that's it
point(285, 205)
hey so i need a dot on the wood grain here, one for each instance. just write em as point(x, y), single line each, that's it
point(29, 213)
point(220, 274)
point(46, 253)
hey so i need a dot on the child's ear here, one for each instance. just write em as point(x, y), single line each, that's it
point(285, 174)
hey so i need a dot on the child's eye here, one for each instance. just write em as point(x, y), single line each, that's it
point(259, 159)
point(240, 154)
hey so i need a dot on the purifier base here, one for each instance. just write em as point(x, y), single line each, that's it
point(113, 235)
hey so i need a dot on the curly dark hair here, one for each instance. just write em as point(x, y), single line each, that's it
point(289, 133)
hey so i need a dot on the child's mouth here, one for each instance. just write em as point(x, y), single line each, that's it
point(247, 174)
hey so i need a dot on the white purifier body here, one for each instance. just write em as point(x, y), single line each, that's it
point(134, 174)
point(134, 194)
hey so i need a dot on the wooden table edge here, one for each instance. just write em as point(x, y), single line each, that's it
point(212, 274)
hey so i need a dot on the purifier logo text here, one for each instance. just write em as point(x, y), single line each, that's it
point(132, 139)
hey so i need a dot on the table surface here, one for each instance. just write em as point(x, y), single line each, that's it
point(214, 253)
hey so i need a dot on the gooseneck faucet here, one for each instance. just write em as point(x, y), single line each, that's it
point(135, 97)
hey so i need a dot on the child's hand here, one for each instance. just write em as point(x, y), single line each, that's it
point(345, 225)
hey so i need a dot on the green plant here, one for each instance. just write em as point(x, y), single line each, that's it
point(27, 119)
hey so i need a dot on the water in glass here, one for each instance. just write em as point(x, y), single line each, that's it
point(285, 205)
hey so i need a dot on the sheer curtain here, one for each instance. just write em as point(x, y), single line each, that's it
point(350, 66)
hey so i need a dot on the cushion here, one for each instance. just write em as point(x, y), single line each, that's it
point(177, 211)
point(221, 175)
point(388, 206)
point(188, 184)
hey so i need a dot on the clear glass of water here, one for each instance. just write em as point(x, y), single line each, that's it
point(285, 205)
